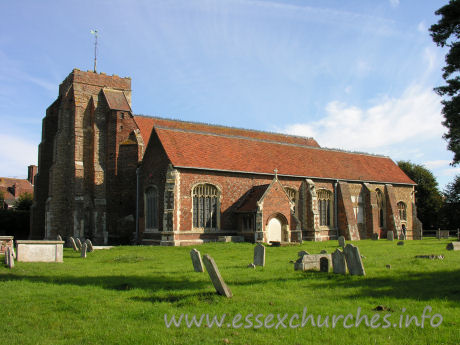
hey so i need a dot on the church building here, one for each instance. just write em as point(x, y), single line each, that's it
point(107, 174)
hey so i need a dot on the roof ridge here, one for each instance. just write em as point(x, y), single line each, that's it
point(270, 141)
point(223, 126)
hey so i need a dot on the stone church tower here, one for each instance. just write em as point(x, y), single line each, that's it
point(88, 156)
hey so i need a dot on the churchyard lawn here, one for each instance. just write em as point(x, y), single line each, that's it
point(121, 296)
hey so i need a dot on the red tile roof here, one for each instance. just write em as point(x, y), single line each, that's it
point(228, 153)
point(116, 100)
point(146, 124)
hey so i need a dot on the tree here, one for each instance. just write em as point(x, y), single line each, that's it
point(428, 198)
point(24, 202)
point(451, 207)
point(446, 33)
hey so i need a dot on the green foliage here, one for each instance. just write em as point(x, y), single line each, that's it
point(428, 198)
point(24, 202)
point(446, 33)
point(451, 207)
point(14, 223)
point(98, 301)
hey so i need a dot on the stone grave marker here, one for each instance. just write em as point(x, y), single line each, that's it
point(324, 251)
point(196, 260)
point(375, 236)
point(259, 255)
point(353, 259)
point(9, 253)
point(338, 262)
point(78, 243)
point(73, 244)
point(302, 253)
point(341, 241)
point(90, 245)
point(59, 238)
point(453, 246)
point(324, 264)
point(7, 257)
point(216, 278)
point(390, 235)
point(84, 248)
point(400, 243)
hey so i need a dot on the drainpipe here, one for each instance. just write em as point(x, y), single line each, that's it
point(335, 208)
point(137, 204)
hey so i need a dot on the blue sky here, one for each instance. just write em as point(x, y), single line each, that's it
point(355, 75)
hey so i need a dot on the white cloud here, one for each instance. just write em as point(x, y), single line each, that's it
point(436, 164)
point(415, 115)
point(451, 171)
point(421, 27)
point(394, 3)
point(16, 154)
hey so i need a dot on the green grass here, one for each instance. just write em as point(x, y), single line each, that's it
point(120, 296)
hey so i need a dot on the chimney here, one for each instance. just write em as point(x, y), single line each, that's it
point(31, 172)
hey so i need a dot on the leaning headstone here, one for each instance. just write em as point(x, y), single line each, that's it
point(90, 245)
point(73, 244)
point(259, 255)
point(216, 278)
point(341, 241)
point(78, 243)
point(9, 253)
point(353, 259)
point(59, 238)
point(390, 235)
point(302, 253)
point(196, 260)
point(375, 236)
point(84, 248)
point(453, 246)
point(338, 262)
point(400, 243)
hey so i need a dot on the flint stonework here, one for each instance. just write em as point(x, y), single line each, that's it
point(338, 262)
point(341, 241)
point(353, 259)
point(196, 260)
point(259, 255)
point(216, 278)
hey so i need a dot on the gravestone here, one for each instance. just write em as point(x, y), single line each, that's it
point(196, 260)
point(9, 253)
point(59, 238)
point(78, 243)
point(353, 259)
point(375, 236)
point(338, 262)
point(259, 255)
point(458, 234)
point(73, 244)
point(216, 278)
point(324, 251)
point(251, 265)
point(400, 243)
point(7, 257)
point(84, 248)
point(90, 245)
point(390, 235)
point(302, 253)
point(324, 264)
point(341, 241)
point(453, 246)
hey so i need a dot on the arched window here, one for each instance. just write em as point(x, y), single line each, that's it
point(402, 211)
point(205, 206)
point(292, 194)
point(380, 206)
point(324, 207)
point(151, 208)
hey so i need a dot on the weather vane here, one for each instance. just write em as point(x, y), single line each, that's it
point(94, 32)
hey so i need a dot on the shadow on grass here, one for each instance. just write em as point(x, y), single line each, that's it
point(209, 297)
point(424, 286)
point(119, 283)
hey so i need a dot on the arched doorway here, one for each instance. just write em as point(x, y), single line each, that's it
point(274, 230)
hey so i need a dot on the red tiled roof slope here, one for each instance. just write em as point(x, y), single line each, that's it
point(146, 124)
point(207, 151)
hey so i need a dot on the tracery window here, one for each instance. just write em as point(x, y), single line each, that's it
point(324, 207)
point(151, 208)
point(402, 211)
point(292, 194)
point(205, 206)
point(380, 205)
